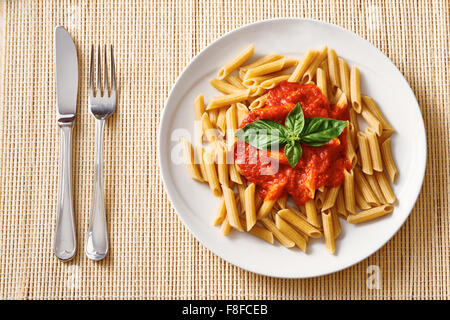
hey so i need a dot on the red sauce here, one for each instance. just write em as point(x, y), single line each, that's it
point(318, 166)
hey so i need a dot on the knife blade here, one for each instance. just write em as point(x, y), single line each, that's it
point(66, 61)
point(66, 74)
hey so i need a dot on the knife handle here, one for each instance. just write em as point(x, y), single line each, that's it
point(65, 239)
point(96, 247)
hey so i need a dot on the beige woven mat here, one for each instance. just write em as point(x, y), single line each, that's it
point(153, 255)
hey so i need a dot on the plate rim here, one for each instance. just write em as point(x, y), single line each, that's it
point(422, 161)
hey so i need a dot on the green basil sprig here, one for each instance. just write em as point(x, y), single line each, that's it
point(268, 134)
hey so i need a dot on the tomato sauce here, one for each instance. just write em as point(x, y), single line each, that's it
point(318, 166)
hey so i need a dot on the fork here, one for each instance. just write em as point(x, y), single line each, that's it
point(102, 104)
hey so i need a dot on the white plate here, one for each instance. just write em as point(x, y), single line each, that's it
point(380, 79)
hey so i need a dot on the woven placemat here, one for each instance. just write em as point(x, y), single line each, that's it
point(152, 254)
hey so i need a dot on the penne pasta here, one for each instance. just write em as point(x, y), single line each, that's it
point(222, 166)
point(230, 204)
point(234, 174)
point(208, 129)
point(272, 82)
point(265, 209)
point(241, 190)
point(242, 112)
point(211, 173)
point(375, 152)
point(330, 198)
point(355, 89)
point(221, 213)
point(386, 133)
point(301, 224)
point(336, 96)
point(311, 213)
point(188, 154)
point(235, 81)
point(385, 187)
point(364, 188)
point(246, 86)
point(257, 91)
point(258, 103)
point(213, 114)
point(266, 59)
point(342, 102)
point(258, 231)
point(328, 232)
point(199, 152)
point(366, 160)
point(255, 81)
point(320, 197)
point(373, 182)
point(340, 203)
point(373, 122)
point(349, 192)
point(266, 68)
point(336, 223)
point(226, 100)
point(303, 65)
point(226, 227)
point(360, 201)
point(370, 214)
point(311, 71)
point(221, 123)
point(250, 207)
point(285, 241)
point(351, 154)
point(333, 69)
point(354, 121)
point(344, 75)
point(389, 164)
point(299, 239)
point(238, 61)
point(223, 86)
point(199, 106)
point(321, 80)
point(373, 108)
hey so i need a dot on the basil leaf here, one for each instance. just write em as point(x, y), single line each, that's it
point(295, 121)
point(293, 152)
point(263, 134)
point(320, 131)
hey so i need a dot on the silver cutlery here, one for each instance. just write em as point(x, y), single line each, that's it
point(65, 242)
point(102, 104)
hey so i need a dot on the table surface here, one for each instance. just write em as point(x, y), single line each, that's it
point(152, 254)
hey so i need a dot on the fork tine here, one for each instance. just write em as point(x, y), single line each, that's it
point(91, 73)
point(99, 73)
point(105, 74)
point(113, 72)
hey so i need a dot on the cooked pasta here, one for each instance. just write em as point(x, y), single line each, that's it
point(226, 100)
point(389, 164)
point(375, 152)
point(259, 89)
point(303, 65)
point(328, 232)
point(236, 62)
point(366, 160)
point(188, 153)
point(333, 69)
point(299, 239)
point(285, 241)
point(370, 214)
point(355, 89)
point(311, 71)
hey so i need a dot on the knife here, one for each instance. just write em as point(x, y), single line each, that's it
point(65, 242)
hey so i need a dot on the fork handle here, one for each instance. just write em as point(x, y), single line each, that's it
point(97, 237)
point(65, 243)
